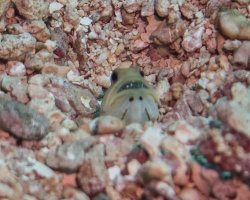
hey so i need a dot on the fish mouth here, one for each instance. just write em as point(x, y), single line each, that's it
point(132, 85)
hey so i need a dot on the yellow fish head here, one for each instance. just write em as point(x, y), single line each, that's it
point(130, 97)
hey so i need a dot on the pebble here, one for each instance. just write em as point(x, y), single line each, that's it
point(16, 68)
point(43, 106)
point(233, 24)
point(93, 173)
point(73, 193)
point(69, 156)
point(15, 47)
point(32, 9)
point(186, 134)
point(117, 148)
point(86, 21)
point(193, 40)
point(106, 125)
point(190, 193)
point(69, 124)
point(241, 95)
point(132, 6)
point(163, 90)
point(9, 81)
point(241, 56)
point(168, 33)
point(234, 115)
point(161, 7)
point(154, 170)
point(151, 140)
point(4, 7)
point(37, 91)
point(22, 121)
point(11, 188)
point(55, 6)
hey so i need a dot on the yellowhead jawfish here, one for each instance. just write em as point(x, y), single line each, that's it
point(130, 97)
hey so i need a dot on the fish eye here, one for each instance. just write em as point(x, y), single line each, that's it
point(114, 77)
point(142, 74)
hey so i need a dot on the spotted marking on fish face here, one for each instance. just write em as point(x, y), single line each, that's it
point(130, 97)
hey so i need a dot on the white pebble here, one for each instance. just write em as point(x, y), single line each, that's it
point(16, 68)
point(86, 21)
point(55, 6)
point(114, 172)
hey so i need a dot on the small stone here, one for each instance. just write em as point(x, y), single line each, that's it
point(37, 91)
point(241, 95)
point(69, 156)
point(93, 174)
point(132, 6)
point(192, 40)
point(119, 49)
point(86, 21)
point(242, 56)
point(16, 68)
point(214, 6)
point(233, 24)
point(190, 193)
point(189, 10)
point(32, 9)
point(185, 68)
point(72, 193)
point(166, 34)
point(234, 115)
point(22, 121)
point(69, 124)
point(4, 5)
point(156, 170)
point(186, 134)
point(163, 89)
point(10, 188)
point(106, 125)
point(161, 7)
point(127, 18)
point(133, 166)
point(15, 47)
point(9, 81)
point(151, 141)
point(101, 58)
point(55, 6)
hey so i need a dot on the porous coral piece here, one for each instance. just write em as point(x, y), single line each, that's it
point(33, 9)
point(15, 47)
point(233, 24)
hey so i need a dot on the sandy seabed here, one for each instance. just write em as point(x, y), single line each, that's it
point(56, 58)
